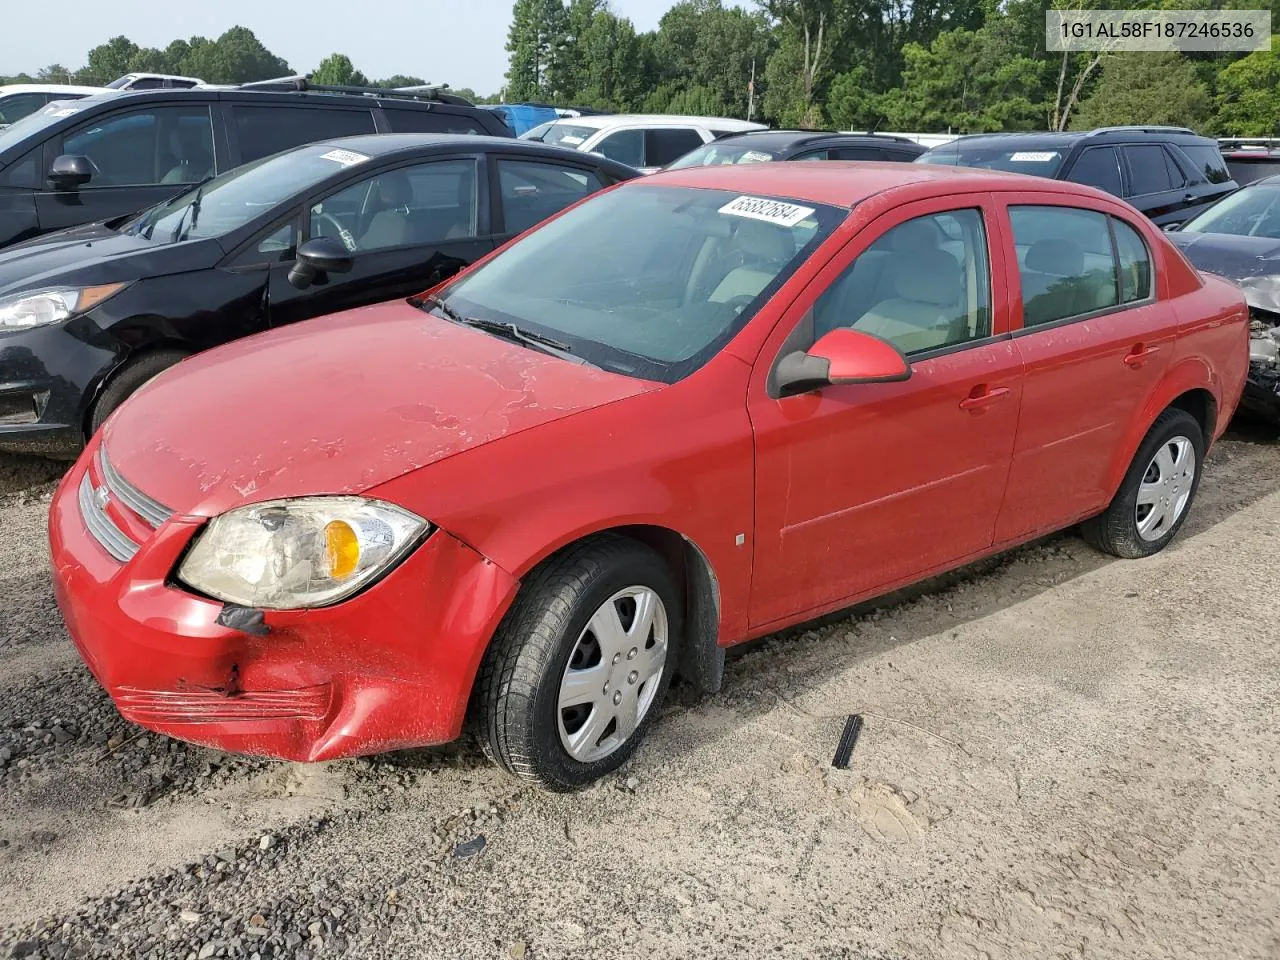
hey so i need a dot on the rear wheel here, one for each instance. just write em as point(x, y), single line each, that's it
point(580, 665)
point(127, 380)
point(1157, 491)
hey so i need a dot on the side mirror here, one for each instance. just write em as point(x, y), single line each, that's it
point(69, 172)
point(316, 259)
point(842, 356)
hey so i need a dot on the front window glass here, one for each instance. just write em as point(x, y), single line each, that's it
point(1252, 212)
point(625, 146)
point(922, 286)
point(1037, 161)
point(646, 280)
point(717, 154)
point(159, 145)
point(33, 123)
point(1065, 263)
point(241, 195)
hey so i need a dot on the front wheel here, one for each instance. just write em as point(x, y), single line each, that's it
point(125, 382)
point(580, 665)
point(1156, 493)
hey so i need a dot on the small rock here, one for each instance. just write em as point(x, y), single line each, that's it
point(256, 931)
point(266, 842)
point(469, 848)
point(518, 950)
point(189, 916)
point(632, 783)
point(226, 856)
point(114, 741)
point(207, 951)
point(258, 920)
point(23, 948)
point(60, 735)
point(315, 929)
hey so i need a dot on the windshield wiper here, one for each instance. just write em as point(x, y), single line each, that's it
point(504, 329)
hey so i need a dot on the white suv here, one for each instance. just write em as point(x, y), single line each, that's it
point(646, 141)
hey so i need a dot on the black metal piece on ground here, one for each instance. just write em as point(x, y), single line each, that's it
point(848, 739)
point(246, 619)
point(469, 848)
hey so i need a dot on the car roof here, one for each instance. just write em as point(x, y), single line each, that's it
point(779, 140)
point(387, 144)
point(11, 88)
point(609, 120)
point(844, 183)
point(1068, 138)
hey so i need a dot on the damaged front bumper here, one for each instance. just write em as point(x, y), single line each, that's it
point(390, 668)
point(1262, 389)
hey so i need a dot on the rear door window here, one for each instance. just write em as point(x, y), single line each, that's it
point(162, 144)
point(1065, 263)
point(1098, 167)
point(533, 191)
point(625, 146)
point(430, 121)
point(857, 153)
point(1148, 169)
point(264, 130)
point(664, 144)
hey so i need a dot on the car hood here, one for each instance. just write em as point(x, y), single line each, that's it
point(338, 405)
point(1252, 262)
point(94, 254)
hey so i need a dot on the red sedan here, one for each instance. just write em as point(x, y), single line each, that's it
point(689, 411)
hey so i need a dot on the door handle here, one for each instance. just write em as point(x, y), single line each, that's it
point(982, 396)
point(1189, 197)
point(1139, 355)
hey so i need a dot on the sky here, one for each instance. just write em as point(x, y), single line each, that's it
point(460, 43)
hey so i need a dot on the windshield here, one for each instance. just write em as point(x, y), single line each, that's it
point(230, 201)
point(33, 123)
point(1251, 212)
point(1037, 161)
point(716, 154)
point(649, 281)
point(567, 134)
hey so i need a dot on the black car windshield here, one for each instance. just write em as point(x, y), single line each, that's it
point(645, 280)
point(716, 154)
point(1251, 212)
point(1037, 161)
point(233, 199)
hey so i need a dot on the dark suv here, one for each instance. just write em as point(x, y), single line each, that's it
point(117, 153)
point(1169, 173)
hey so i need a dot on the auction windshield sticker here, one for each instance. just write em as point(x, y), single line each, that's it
point(1033, 156)
point(770, 211)
point(1181, 31)
point(348, 158)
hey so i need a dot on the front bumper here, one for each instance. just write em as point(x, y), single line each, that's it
point(1261, 395)
point(390, 668)
point(47, 376)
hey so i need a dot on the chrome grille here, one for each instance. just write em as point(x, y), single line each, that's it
point(93, 509)
point(150, 510)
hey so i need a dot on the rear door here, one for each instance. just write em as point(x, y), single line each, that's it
point(1094, 340)
point(140, 156)
point(662, 145)
point(407, 227)
point(1207, 173)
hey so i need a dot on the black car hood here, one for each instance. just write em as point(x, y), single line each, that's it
point(1252, 262)
point(95, 253)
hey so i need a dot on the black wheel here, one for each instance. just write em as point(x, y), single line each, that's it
point(128, 379)
point(1156, 493)
point(580, 665)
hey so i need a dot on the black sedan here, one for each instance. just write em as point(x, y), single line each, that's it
point(90, 314)
point(762, 146)
point(1239, 238)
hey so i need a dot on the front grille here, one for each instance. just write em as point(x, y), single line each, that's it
point(207, 706)
point(152, 511)
point(93, 508)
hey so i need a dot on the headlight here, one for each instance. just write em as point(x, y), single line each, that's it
point(309, 552)
point(36, 308)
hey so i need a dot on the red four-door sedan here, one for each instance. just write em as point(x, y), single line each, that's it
point(687, 412)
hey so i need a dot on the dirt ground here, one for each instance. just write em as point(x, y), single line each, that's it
point(1064, 756)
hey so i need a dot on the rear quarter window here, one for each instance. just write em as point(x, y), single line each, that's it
point(431, 121)
point(1207, 161)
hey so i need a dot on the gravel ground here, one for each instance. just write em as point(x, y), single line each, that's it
point(1063, 756)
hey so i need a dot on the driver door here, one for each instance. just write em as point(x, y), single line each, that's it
point(408, 228)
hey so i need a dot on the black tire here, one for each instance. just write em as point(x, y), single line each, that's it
point(1115, 530)
point(128, 379)
point(516, 706)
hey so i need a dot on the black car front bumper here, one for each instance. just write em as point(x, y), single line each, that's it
point(48, 377)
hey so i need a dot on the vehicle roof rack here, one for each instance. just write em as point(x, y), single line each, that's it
point(437, 92)
point(1140, 128)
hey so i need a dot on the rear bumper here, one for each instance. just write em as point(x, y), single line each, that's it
point(390, 668)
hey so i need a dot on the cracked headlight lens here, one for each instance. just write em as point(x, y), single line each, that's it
point(305, 552)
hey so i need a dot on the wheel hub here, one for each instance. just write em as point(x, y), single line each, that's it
point(1165, 488)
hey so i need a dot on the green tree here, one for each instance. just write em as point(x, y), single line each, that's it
point(1160, 88)
point(796, 70)
point(337, 70)
point(1248, 98)
point(235, 57)
point(109, 61)
point(610, 73)
point(536, 40)
point(703, 45)
point(54, 73)
point(405, 80)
